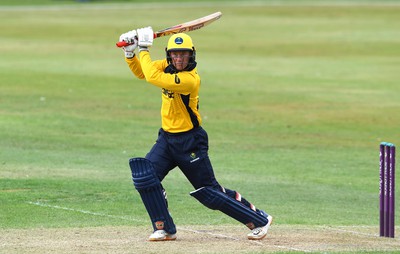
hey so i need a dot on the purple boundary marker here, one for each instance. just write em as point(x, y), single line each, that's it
point(381, 186)
point(387, 162)
point(386, 193)
point(392, 191)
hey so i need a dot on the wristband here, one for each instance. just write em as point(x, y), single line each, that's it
point(129, 54)
point(141, 48)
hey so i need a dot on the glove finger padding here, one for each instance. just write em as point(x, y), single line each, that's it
point(130, 48)
point(145, 36)
point(129, 37)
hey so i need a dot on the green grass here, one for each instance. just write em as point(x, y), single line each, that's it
point(42, 3)
point(295, 98)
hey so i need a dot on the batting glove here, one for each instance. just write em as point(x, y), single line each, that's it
point(131, 38)
point(145, 38)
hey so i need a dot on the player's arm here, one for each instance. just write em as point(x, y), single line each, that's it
point(182, 82)
point(134, 65)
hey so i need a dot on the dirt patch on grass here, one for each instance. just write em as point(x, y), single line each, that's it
point(195, 239)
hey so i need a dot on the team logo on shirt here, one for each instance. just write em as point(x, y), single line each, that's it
point(177, 80)
point(168, 93)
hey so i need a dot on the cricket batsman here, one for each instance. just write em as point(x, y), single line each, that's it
point(181, 142)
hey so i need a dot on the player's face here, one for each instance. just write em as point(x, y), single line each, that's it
point(180, 59)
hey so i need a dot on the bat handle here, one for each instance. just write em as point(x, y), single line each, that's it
point(121, 44)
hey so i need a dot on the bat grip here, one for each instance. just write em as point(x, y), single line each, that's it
point(121, 44)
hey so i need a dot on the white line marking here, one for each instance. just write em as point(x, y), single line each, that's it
point(137, 220)
point(209, 233)
point(180, 228)
point(237, 239)
point(84, 211)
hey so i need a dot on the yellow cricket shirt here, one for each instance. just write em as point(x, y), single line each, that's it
point(180, 92)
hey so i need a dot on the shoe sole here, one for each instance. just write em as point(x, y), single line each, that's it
point(163, 239)
point(262, 237)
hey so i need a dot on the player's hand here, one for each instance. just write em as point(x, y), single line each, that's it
point(145, 38)
point(131, 38)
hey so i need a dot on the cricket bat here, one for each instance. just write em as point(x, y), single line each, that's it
point(184, 27)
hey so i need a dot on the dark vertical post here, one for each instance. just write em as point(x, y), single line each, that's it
point(381, 188)
point(392, 190)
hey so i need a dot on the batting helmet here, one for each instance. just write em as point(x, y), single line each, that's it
point(181, 42)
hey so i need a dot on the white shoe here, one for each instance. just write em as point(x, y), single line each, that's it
point(161, 235)
point(260, 232)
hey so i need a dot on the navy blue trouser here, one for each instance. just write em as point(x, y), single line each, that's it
point(189, 152)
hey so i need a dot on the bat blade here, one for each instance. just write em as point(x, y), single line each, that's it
point(184, 27)
point(189, 26)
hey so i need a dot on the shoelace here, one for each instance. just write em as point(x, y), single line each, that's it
point(256, 231)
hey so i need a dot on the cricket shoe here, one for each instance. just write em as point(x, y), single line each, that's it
point(161, 235)
point(260, 232)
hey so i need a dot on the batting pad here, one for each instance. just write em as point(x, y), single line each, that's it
point(148, 185)
point(217, 200)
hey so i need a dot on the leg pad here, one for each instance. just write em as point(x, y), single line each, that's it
point(217, 200)
point(149, 187)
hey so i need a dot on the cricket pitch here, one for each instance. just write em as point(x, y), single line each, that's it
point(197, 239)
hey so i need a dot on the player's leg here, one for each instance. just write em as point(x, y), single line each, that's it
point(218, 200)
point(148, 185)
point(161, 159)
point(237, 196)
point(195, 164)
point(258, 232)
point(190, 151)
